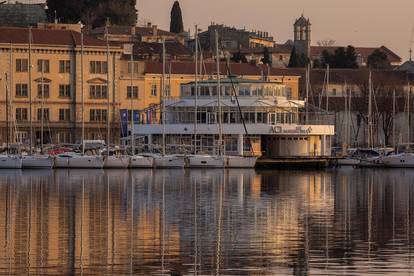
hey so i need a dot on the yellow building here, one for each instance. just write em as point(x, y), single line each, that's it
point(48, 78)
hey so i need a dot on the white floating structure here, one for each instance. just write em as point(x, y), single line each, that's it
point(275, 124)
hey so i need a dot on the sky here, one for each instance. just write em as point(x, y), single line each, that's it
point(351, 22)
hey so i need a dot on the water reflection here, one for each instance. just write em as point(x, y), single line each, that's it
point(200, 222)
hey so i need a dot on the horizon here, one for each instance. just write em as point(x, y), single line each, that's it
point(332, 23)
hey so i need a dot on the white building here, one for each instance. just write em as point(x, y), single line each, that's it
point(273, 121)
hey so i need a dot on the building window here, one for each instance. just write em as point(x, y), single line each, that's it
point(64, 66)
point(154, 90)
point(98, 115)
point(64, 90)
point(45, 112)
point(21, 90)
point(22, 65)
point(43, 90)
point(21, 114)
point(135, 68)
point(63, 137)
point(132, 92)
point(98, 67)
point(64, 114)
point(43, 65)
point(98, 91)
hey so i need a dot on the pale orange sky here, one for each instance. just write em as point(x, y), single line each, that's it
point(355, 22)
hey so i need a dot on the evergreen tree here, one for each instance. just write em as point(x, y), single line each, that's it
point(378, 60)
point(341, 58)
point(297, 60)
point(266, 57)
point(93, 13)
point(176, 24)
point(351, 57)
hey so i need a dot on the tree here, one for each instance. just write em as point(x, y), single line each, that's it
point(297, 60)
point(238, 57)
point(176, 24)
point(378, 60)
point(93, 13)
point(326, 43)
point(341, 58)
point(266, 57)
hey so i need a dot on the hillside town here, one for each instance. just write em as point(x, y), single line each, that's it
point(68, 82)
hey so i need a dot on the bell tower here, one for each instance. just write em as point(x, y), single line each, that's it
point(302, 36)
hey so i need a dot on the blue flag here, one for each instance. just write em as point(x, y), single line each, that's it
point(124, 122)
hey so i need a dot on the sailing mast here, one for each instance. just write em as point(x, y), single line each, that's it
point(30, 92)
point(196, 89)
point(327, 87)
point(408, 114)
point(307, 94)
point(132, 105)
point(108, 131)
point(82, 98)
point(42, 109)
point(370, 142)
point(163, 97)
point(393, 119)
point(220, 142)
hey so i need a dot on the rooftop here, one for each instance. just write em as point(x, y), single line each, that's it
point(47, 37)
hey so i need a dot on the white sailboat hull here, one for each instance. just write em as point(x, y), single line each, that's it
point(116, 162)
point(348, 162)
point(168, 161)
point(241, 161)
point(139, 161)
point(37, 162)
point(206, 161)
point(404, 160)
point(79, 162)
point(10, 162)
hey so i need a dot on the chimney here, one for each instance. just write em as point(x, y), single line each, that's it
point(133, 30)
point(154, 30)
point(149, 24)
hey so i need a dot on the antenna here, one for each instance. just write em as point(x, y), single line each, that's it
point(411, 43)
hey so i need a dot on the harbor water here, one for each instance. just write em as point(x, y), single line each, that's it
point(207, 222)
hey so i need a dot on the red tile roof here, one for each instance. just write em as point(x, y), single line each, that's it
point(126, 30)
point(240, 69)
point(363, 51)
point(143, 49)
point(47, 37)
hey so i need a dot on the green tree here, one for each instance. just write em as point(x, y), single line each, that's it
point(297, 60)
point(238, 57)
point(378, 60)
point(176, 23)
point(266, 57)
point(341, 58)
point(93, 13)
point(351, 57)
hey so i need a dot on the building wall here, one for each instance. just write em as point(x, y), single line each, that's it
point(54, 128)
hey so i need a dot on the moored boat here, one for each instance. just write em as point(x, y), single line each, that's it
point(114, 162)
point(241, 161)
point(141, 161)
point(205, 161)
point(10, 162)
point(37, 162)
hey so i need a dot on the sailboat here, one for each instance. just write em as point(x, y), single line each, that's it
point(38, 161)
point(9, 161)
point(72, 159)
point(405, 159)
point(163, 160)
point(136, 160)
point(111, 160)
point(202, 160)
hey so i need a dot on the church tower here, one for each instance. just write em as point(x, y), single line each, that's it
point(302, 36)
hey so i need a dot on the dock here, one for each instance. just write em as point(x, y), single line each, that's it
point(295, 162)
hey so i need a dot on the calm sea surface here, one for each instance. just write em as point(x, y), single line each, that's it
point(207, 222)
